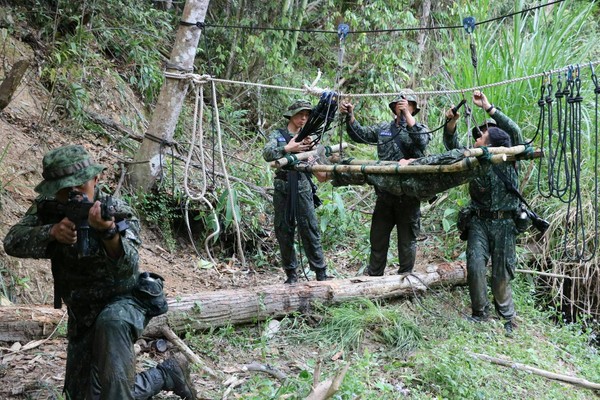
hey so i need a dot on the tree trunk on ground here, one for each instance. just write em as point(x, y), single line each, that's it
point(11, 83)
point(147, 166)
point(239, 306)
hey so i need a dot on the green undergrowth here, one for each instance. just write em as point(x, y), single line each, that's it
point(418, 348)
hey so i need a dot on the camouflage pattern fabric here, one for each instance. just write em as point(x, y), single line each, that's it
point(413, 140)
point(495, 240)
point(104, 318)
point(420, 186)
point(306, 218)
point(392, 209)
point(489, 238)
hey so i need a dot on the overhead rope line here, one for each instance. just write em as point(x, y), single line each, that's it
point(317, 92)
point(364, 31)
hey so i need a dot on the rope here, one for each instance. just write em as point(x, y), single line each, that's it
point(409, 29)
point(226, 175)
point(199, 117)
point(316, 91)
point(565, 159)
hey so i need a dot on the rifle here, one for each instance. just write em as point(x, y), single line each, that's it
point(538, 223)
point(77, 209)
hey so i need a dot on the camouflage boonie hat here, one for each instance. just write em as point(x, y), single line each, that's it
point(65, 167)
point(408, 95)
point(296, 107)
point(477, 131)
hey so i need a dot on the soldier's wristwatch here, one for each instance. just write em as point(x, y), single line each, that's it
point(109, 233)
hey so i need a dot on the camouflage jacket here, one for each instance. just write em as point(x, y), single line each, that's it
point(85, 284)
point(273, 150)
point(412, 143)
point(488, 192)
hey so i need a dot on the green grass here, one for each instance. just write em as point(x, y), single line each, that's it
point(416, 348)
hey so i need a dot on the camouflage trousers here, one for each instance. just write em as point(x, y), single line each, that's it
point(495, 239)
point(101, 358)
point(306, 221)
point(391, 211)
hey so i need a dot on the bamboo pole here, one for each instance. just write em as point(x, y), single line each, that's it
point(478, 151)
point(396, 169)
point(513, 153)
point(282, 162)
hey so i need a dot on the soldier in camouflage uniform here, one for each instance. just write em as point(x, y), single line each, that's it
point(399, 140)
point(104, 317)
point(294, 195)
point(492, 231)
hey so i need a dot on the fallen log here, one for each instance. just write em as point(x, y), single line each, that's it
point(248, 305)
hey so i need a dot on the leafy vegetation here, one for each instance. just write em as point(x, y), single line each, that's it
point(420, 349)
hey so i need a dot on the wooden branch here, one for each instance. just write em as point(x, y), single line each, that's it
point(550, 274)
point(546, 374)
point(393, 168)
point(112, 124)
point(326, 389)
point(257, 367)
point(191, 356)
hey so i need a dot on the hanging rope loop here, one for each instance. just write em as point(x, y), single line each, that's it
point(549, 98)
point(595, 79)
point(542, 101)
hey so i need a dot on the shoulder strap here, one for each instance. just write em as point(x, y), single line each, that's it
point(285, 134)
point(509, 185)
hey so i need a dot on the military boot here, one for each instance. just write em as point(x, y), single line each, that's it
point(322, 274)
point(509, 327)
point(292, 276)
point(177, 377)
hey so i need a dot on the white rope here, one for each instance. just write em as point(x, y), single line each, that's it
point(199, 127)
point(317, 92)
point(226, 175)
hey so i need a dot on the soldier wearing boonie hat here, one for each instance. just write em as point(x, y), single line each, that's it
point(293, 201)
point(105, 317)
point(409, 96)
point(296, 107)
point(67, 166)
point(491, 232)
point(399, 140)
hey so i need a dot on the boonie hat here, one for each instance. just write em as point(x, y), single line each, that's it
point(478, 130)
point(65, 167)
point(296, 107)
point(408, 95)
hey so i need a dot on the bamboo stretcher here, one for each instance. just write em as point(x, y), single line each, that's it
point(423, 177)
